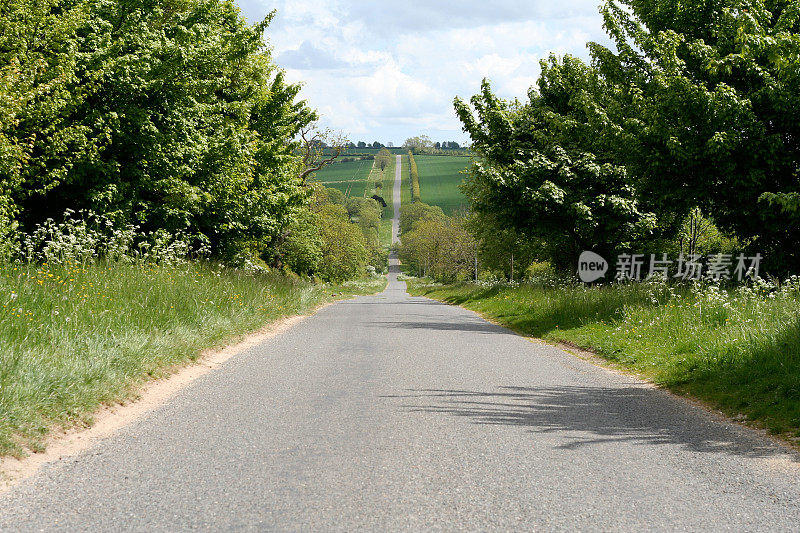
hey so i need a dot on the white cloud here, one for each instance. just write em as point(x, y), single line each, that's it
point(387, 72)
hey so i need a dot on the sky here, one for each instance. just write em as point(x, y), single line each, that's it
point(380, 71)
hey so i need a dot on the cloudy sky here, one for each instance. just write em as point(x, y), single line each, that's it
point(387, 71)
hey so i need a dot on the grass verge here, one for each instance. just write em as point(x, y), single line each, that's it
point(75, 337)
point(738, 351)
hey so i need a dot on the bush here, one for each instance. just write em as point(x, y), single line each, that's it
point(440, 248)
point(415, 212)
point(344, 248)
point(302, 250)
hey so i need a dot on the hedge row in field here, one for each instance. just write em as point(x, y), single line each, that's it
point(414, 177)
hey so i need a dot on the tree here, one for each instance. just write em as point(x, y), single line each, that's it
point(167, 114)
point(538, 174)
point(344, 250)
point(302, 250)
point(709, 94)
point(383, 158)
point(411, 214)
point(501, 247)
point(439, 247)
point(419, 144)
point(696, 106)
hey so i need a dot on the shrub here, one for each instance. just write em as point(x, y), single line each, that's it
point(440, 248)
point(302, 250)
point(415, 212)
point(344, 249)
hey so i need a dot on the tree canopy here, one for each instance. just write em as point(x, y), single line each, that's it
point(695, 107)
point(168, 114)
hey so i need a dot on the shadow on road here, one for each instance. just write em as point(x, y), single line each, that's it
point(594, 415)
point(476, 326)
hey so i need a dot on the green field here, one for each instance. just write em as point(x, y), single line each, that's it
point(358, 178)
point(439, 178)
point(349, 177)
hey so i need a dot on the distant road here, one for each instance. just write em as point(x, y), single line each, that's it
point(389, 412)
point(396, 192)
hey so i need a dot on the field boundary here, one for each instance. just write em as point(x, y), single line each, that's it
point(412, 165)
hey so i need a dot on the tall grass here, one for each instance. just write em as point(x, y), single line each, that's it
point(73, 337)
point(739, 349)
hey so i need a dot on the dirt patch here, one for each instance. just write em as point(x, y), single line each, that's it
point(62, 444)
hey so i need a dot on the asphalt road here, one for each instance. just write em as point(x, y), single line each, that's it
point(396, 197)
point(396, 413)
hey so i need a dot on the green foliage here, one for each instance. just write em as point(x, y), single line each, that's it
point(696, 106)
point(711, 111)
point(329, 195)
point(344, 248)
point(420, 144)
point(501, 248)
point(537, 172)
point(412, 165)
point(383, 159)
point(412, 213)
point(336, 239)
point(302, 251)
point(434, 244)
point(169, 115)
point(699, 235)
point(440, 248)
point(789, 203)
point(366, 213)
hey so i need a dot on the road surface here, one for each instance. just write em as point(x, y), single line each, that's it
point(390, 412)
point(397, 191)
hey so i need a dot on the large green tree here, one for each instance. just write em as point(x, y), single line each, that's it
point(543, 170)
point(695, 106)
point(711, 111)
point(169, 114)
